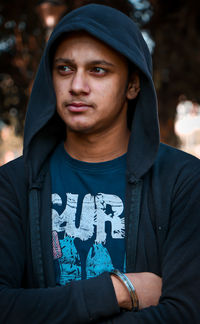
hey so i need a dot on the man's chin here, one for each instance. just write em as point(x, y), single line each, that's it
point(80, 129)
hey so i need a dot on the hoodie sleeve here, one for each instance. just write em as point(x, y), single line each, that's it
point(78, 302)
point(180, 299)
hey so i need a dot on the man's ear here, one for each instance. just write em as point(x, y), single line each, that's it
point(133, 86)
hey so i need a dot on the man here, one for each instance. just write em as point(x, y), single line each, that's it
point(95, 195)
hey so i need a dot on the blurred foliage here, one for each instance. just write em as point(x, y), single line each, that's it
point(174, 26)
point(21, 43)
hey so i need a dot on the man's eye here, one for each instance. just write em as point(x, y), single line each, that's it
point(98, 70)
point(64, 68)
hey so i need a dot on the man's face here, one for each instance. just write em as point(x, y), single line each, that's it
point(91, 84)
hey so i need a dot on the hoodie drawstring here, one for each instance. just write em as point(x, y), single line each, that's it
point(34, 221)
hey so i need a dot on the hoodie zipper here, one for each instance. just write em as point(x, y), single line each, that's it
point(132, 216)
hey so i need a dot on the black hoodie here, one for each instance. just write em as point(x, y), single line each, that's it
point(162, 208)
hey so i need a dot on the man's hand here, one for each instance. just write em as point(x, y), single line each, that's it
point(148, 289)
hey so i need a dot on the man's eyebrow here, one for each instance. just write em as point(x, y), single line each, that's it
point(64, 60)
point(94, 62)
point(100, 62)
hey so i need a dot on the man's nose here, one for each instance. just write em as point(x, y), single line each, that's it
point(79, 84)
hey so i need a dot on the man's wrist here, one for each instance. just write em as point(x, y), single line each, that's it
point(130, 288)
point(122, 294)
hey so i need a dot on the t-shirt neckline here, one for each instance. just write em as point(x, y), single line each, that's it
point(114, 164)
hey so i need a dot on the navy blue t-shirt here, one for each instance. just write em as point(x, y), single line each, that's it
point(88, 226)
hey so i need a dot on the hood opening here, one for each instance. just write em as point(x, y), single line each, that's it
point(43, 127)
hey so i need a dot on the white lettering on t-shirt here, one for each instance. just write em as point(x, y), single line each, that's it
point(96, 211)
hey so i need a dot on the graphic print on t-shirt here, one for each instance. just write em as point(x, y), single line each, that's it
point(85, 231)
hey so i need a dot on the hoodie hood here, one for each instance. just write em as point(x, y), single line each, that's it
point(44, 129)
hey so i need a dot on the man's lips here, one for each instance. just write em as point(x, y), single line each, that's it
point(78, 106)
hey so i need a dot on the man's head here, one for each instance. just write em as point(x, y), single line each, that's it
point(92, 84)
point(111, 27)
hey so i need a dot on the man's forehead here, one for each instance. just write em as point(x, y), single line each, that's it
point(78, 34)
point(83, 39)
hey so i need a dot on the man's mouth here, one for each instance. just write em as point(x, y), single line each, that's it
point(78, 106)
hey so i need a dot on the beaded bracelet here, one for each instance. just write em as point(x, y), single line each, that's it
point(129, 286)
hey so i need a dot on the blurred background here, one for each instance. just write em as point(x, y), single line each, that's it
point(171, 29)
